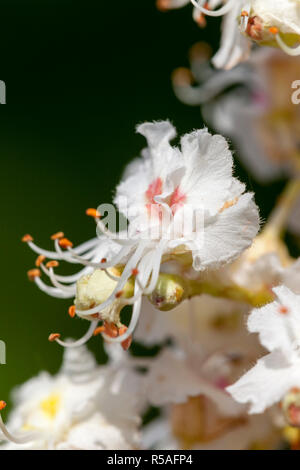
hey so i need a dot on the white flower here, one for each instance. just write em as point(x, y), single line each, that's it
point(82, 407)
point(189, 383)
point(214, 323)
point(277, 373)
point(259, 115)
point(265, 22)
point(254, 433)
point(156, 194)
point(176, 375)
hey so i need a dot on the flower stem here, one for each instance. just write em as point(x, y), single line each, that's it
point(172, 289)
point(278, 219)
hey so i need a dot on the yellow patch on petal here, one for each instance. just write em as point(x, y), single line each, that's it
point(229, 204)
point(50, 405)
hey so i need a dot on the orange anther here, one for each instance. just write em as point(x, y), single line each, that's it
point(53, 337)
point(93, 213)
point(119, 294)
point(52, 264)
point(111, 329)
point(103, 260)
point(127, 342)
point(283, 310)
point(163, 5)
point(244, 13)
point(40, 259)
point(57, 236)
point(134, 272)
point(274, 30)
point(99, 330)
point(95, 315)
point(182, 76)
point(72, 311)
point(33, 273)
point(65, 243)
point(2, 405)
point(27, 238)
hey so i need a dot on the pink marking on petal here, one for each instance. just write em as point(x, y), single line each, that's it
point(154, 189)
point(222, 383)
point(177, 200)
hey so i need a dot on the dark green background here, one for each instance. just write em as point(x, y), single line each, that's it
point(79, 76)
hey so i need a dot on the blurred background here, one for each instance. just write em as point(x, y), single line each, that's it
point(79, 77)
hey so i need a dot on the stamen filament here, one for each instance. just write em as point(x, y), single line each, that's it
point(53, 291)
point(292, 51)
point(222, 11)
point(22, 439)
point(84, 339)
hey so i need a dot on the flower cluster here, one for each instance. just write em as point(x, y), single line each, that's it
point(185, 205)
point(82, 407)
point(194, 263)
point(275, 378)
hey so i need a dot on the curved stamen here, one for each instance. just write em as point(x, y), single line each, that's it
point(41, 251)
point(222, 11)
point(53, 278)
point(80, 342)
point(111, 276)
point(74, 277)
point(79, 260)
point(245, 17)
point(155, 270)
point(113, 236)
point(53, 255)
point(132, 325)
point(21, 439)
point(53, 291)
point(146, 270)
point(145, 267)
point(86, 246)
point(292, 51)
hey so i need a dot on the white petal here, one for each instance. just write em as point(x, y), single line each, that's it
point(277, 330)
point(266, 383)
point(157, 133)
point(99, 434)
point(170, 381)
point(291, 277)
point(227, 235)
point(209, 165)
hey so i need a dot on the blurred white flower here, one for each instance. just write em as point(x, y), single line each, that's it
point(213, 323)
point(82, 407)
point(265, 22)
point(258, 115)
point(157, 193)
point(212, 349)
point(197, 411)
point(181, 427)
point(277, 373)
point(177, 374)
